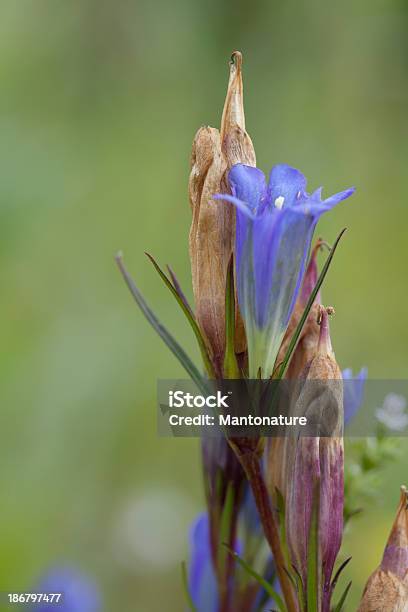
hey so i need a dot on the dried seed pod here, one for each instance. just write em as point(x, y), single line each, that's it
point(395, 558)
point(387, 588)
point(213, 224)
point(384, 593)
point(211, 237)
point(236, 143)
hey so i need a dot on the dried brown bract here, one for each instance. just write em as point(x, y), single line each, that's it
point(213, 224)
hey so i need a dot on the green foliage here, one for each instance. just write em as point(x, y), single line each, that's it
point(298, 583)
point(168, 339)
point(225, 528)
point(281, 509)
point(264, 583)
point(179, 296)
point(340, 606)
point(231, 369)
point(338, 573)
point(362, 472)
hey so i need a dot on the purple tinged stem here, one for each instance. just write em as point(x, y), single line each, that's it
point(251, 463)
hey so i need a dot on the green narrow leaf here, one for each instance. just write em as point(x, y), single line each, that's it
point(291, 577)
point(264, 583)
point(280, 502)
point(190, 317)
point(231, 369)
point(185, 586)
point(337, 574)
point(300, 589)
point(295, 337)
point(349, 514)
point(168, 339)
point(179, 290)
point(263, 597)
point(339, 606)
point(312, 587)
point(225, 527)
point(296, 578)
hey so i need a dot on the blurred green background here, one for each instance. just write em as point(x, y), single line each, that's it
point(99, 104)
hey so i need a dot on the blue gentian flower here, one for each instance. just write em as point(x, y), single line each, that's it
point(353, 391)
point(274, 228)
point(79, 594)
point(201, 577)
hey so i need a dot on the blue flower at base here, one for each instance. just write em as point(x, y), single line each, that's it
point(202, 582)
point(79, 593)
point(353, 390)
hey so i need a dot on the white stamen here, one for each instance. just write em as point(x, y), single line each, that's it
point(279, 202)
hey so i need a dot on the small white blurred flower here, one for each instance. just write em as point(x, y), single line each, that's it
point(393, 413)
point(149, 529)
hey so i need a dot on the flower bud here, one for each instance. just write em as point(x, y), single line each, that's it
point(314, 466)
point(213, 224)
point(387, 587)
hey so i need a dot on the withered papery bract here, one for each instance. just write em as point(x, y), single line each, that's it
point(387, 587)
point(213, 225)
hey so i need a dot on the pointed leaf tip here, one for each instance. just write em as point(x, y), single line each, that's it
point(264, 583)
point(167, 338)
point(202, 343)
point(312, 297)
point(231, 369)
point(340, 605)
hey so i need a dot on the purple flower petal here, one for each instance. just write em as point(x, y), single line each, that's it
point(239, 204)
point(338, 197)
point(79, 593)
point(287, 183)
point(271, 250)
point(202, 580)
point(248, 185)
point(353, 390)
